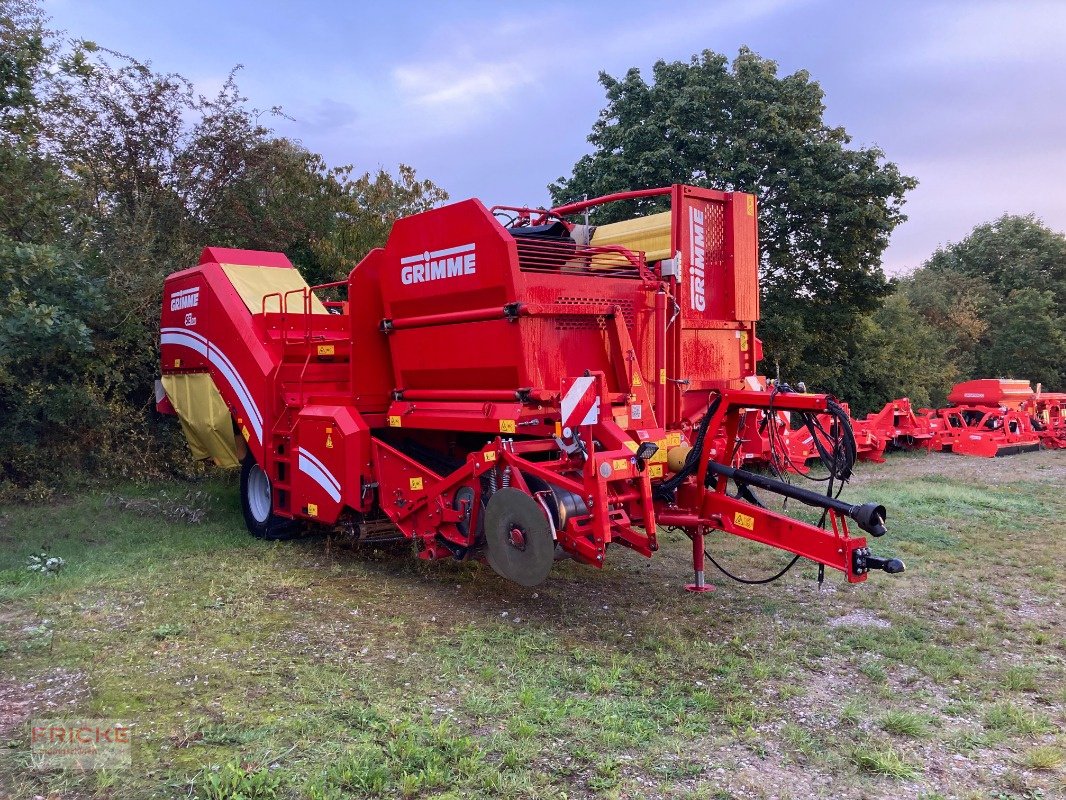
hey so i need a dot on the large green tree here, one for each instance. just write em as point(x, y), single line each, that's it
point(112, 175)
point(826, 208)
point(998, 300)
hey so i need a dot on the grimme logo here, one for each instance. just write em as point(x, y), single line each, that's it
point(438, 264)
point(186, 298)
point(697, 292)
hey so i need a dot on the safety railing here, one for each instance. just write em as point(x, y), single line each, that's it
point(298, 325)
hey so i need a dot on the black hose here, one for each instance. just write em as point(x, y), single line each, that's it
point(749, 581)
point(667, 490)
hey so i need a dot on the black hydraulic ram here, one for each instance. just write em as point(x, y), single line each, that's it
point(868, 516)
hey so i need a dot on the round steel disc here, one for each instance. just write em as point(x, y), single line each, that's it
point(517, 537)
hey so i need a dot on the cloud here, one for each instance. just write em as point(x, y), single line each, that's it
point(463, 87)
point(489, 66)
point(981, 33)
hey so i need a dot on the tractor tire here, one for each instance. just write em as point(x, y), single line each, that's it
point(257, 504)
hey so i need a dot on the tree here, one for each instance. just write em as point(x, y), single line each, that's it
point(826, 209)
point(23, 51)
point(1011, 253)
point(998, 301)
point(896, 353)
point(112, 175)
point(1026, 339)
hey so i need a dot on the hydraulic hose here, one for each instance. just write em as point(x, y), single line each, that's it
point(869, 516)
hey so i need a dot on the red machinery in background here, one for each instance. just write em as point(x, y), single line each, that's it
point(896, 426)
point(508, 384)
point(985, 418)
point(1047, 415)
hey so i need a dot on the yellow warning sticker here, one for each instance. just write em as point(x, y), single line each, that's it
point(177, 363)
point(636, 380)
point(660, 454)
point(743, 341)
point(416, 484)
point(655, 470)
point(244, 433)
point(620, 464)
point(490, 456)
point(326, 350)
point(751, 205)
point(312, 510)
point(744, 521)
point(673, 439)
point(507, 426)
point(632, 446)
point(329, 442)
point(394, 422)
point(662, 376)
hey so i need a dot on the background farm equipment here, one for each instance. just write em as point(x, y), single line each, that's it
point(508, 384)
point(985, 418)
point(1047, 415)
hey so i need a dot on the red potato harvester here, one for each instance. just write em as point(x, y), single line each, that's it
point(508, 384)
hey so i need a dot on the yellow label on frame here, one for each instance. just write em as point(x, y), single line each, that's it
point(312, 510)
point(744, 521)
point(751, 205)
point(326, 350)
point(490, 456)
point(329, 442)
point(673, 439)
point(507, 426)
point(655, 470)
point(620, 464)
point(636, 380)
point(416, 484)
point(744, 341)
point(244, 433)
point(662, 376)
point(394, 422)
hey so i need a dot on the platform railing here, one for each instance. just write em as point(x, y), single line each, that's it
point(567, 257)
point(302, 299)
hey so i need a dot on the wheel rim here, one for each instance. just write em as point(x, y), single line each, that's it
point(259, 499)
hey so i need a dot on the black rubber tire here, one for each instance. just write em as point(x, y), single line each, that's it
point(268, 526)
point(512, 508)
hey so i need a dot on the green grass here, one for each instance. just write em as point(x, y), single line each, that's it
point(286, 670)
point(1010, 718)
point(884, 760)
point(906, 723)
point(1044, 757)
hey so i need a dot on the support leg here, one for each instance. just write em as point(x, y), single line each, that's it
point(700, 584)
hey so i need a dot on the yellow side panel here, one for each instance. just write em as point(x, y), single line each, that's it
point(255, 283)
point(651, 235)
point(205, 420)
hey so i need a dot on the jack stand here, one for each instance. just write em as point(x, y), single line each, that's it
point(700, 584)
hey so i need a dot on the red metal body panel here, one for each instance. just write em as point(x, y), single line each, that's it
point(997, 392)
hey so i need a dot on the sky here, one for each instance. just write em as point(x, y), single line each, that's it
point(496, 100)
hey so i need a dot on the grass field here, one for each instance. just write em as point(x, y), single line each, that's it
point(296, 670)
